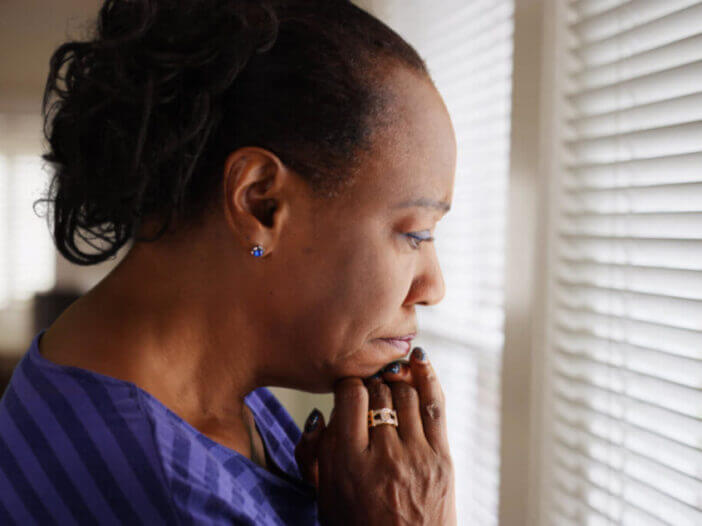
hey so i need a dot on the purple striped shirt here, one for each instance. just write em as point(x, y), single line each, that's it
point(79, 447)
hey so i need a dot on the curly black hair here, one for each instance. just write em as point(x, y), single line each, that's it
point(163, 90)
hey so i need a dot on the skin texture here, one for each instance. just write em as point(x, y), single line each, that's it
point(383, 474)
point(336, 275)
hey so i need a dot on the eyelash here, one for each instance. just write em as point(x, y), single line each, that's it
point(416, 241)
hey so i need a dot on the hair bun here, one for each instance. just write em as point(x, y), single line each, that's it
point(171, 38)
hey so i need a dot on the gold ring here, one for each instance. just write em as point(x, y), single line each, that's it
point(384, 415)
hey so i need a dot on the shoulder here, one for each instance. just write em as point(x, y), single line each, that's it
point(77, 447)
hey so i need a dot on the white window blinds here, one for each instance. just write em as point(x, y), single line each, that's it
point(626, 412)
point(468, 49)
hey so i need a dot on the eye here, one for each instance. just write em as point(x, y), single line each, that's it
point(415, 238)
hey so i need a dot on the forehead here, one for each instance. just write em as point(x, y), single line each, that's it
point(414, 152)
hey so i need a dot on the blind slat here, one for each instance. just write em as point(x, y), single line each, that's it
point(672, 54)
point(669, 253)
point(655, 142)
point(677, 110)
point(616, 311)
point(631, 384)
point(626, 488)
point(624, 17)
point(613, 472)
point(666, 168)
point(645, 415)
point(685, 224)
point(682, 342)
point(644, 199)
point(675, 367)
point(654, 33)
point(651, 362)
point(684, 313)
point(588, 430)
point(653, 87)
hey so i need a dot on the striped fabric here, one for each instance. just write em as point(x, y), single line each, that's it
point(78, 447)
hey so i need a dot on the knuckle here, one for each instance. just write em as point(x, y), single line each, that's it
point(350, 382)
point(430, 380)
point(379, 390)
point(351, 389)
point(427, 373)
point(403, 393)
point(368, 382)
point(433, 408)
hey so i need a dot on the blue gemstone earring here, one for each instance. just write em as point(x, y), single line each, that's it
point(257, 250)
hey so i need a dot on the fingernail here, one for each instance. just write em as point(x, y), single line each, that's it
point(312, 421)
point(393, 368)
point(419, 354)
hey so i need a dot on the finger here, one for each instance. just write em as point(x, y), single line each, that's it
point(350, 414)
point(379, 396)
point(398, 371)
point(431, 401)
point(406, 401)
point(306, 450)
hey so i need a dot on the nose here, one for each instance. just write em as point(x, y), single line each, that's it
point(428, 287)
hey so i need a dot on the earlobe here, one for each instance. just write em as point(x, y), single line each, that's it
point(257, 251)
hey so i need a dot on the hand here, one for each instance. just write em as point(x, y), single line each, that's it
point(383, 475)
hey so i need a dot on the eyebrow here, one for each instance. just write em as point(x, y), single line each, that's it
point(425, 202)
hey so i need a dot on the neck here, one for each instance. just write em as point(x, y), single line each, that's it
point(148, 323)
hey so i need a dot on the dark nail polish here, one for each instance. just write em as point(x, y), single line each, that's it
point(419, 354)
point(393, 368)
point(312, 421)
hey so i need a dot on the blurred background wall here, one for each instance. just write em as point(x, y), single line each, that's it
point(29, 31)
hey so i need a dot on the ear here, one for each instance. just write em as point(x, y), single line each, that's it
point(254, 196)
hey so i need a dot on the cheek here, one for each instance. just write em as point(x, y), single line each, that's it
point(366, 304)
point(341, 295)
point(367, 284)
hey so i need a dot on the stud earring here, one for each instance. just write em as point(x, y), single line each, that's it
point(257, 250)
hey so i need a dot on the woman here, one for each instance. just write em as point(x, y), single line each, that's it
point(280, 167)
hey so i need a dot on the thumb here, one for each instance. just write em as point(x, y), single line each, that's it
point(306, 449)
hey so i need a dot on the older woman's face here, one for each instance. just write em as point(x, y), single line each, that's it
point(355, 270)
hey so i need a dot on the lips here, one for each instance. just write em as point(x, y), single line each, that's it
point(401, 345)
